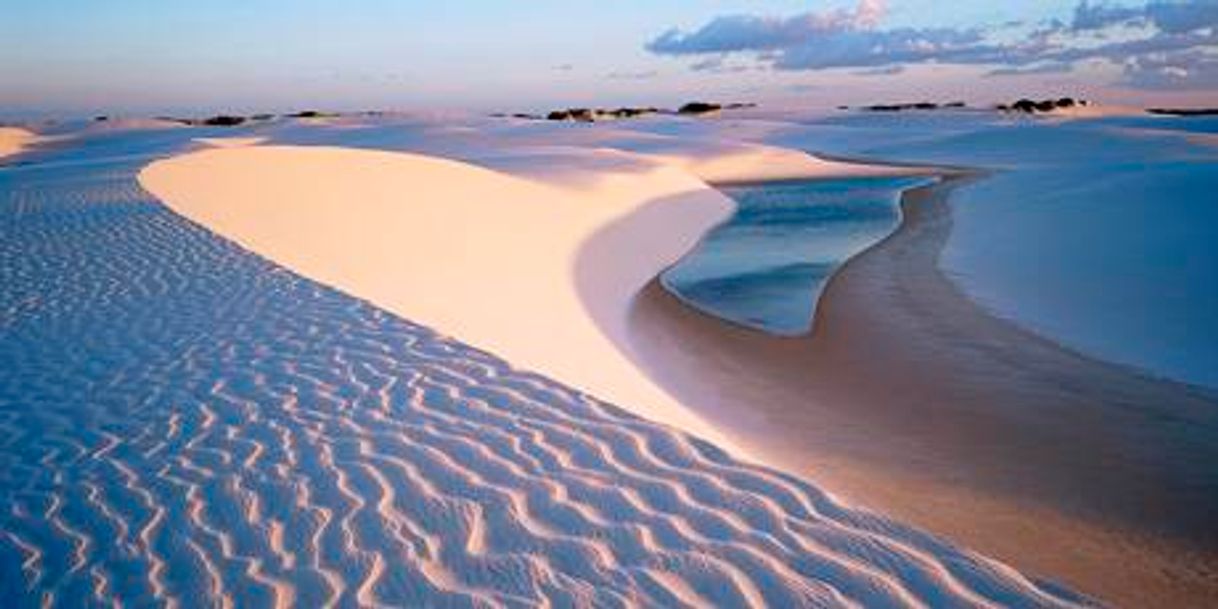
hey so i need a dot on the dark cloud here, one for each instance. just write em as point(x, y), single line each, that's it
point(1174, 17)
point(1179, 17)
point(1157, 43)
point(1191, 69)
point(1088, 16)
point(732, 33)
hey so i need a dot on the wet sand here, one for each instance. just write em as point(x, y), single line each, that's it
point(910, 399)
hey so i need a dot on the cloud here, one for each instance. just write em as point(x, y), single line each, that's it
point(733, 33)
point(870, 48)
point(719, 65)
point(882, 70)
point(1195, 69)
point(644, 75)
point(1157, 43)
point(1178, 17)
point(1052, 67)
point(1088, 16)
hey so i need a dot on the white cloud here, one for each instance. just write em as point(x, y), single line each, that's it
point(1159, 43)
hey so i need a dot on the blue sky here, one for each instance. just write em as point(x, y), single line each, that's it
point(145, 56)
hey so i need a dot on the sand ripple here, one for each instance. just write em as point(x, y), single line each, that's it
point(184, 424)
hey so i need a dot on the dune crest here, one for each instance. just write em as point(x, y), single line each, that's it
point(484, 256)
point(480, 255)
point(230, 142)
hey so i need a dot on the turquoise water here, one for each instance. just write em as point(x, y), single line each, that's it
point(766, 267)
point(1101, 235)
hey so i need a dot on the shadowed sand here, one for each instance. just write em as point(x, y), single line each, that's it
point(503, 485)
point(912, 400)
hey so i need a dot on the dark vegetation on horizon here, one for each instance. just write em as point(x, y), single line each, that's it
point(220, 120)
point(696, 108)
point(909, 106)
point(1184, 111)
point(312, 114)
point(1028, 106)
point(233, 120)
point(591, 115)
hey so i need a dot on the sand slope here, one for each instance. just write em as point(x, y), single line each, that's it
point(484, 256)
point(187, 424)
point(14, 140)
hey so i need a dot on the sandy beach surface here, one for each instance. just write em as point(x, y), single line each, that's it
point(189, 421)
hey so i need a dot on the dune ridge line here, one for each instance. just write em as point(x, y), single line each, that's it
point(483, 256)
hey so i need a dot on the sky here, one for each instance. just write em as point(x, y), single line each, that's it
point(81, 57)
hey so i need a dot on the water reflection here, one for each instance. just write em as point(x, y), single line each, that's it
point(766, 266)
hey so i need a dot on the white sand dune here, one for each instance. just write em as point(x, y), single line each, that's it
point(1097, 110)
point(185, 424)
point(129, 124)
point(484, 256)
point(230, 142)
point(491, 259)
point(14, 140)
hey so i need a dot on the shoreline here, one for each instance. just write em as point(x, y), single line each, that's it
point(918, 375)
point(928, 173)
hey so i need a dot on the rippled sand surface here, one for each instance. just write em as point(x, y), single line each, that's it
point(184, 423)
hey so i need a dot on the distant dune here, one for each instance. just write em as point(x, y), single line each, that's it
point(14, 140)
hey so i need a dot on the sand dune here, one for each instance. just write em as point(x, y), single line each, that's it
point(1095, 110)
point(479, 255)
point(484, 256)
point(14, 140)
point(188, 424)
point(230, 142)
